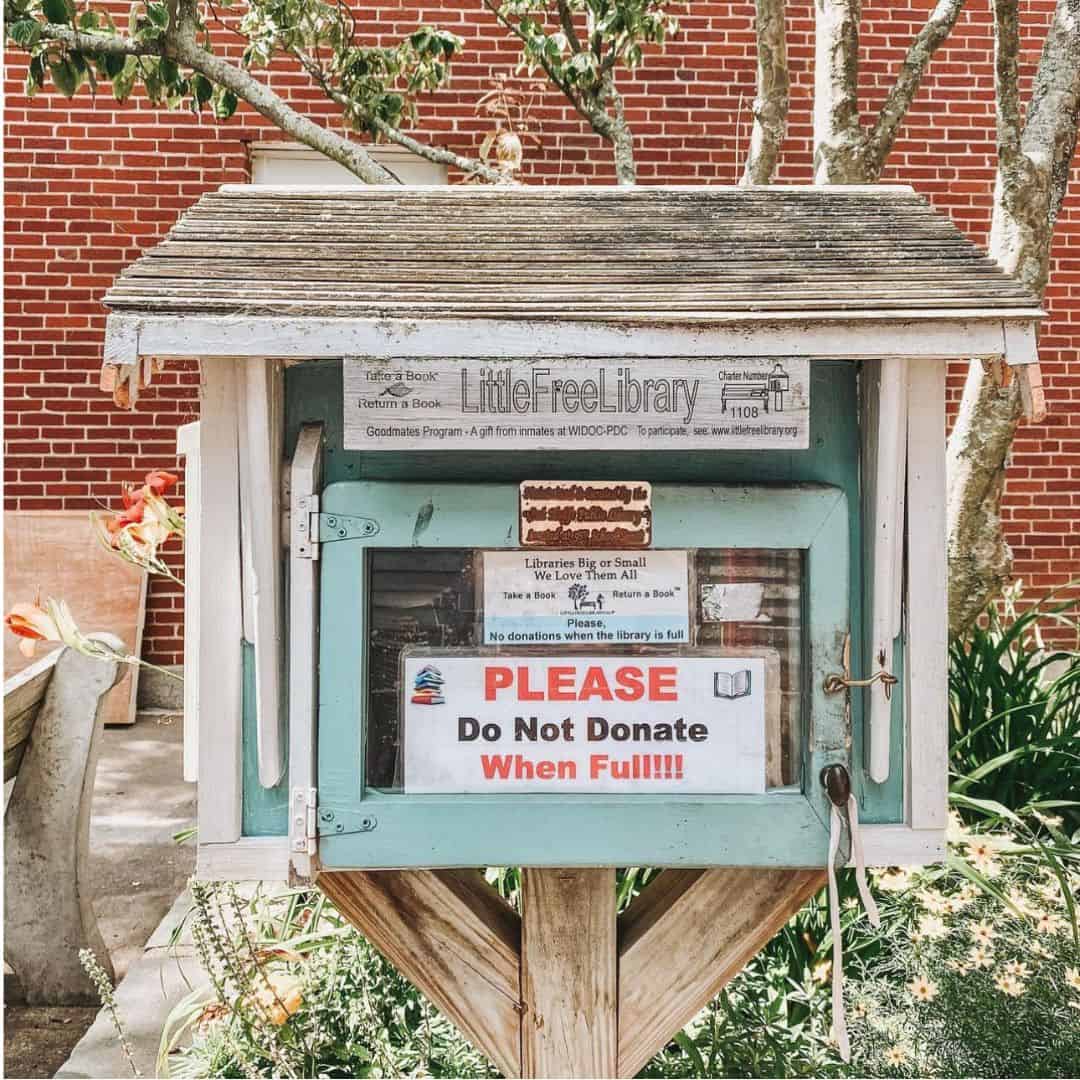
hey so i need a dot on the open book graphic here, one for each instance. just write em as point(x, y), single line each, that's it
point(731, 684)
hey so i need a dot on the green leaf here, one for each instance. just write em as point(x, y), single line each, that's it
point(170, 72)
point(65, 78)
point(25, 32)
point(35, 75)
point(88, 20)
point(58, 11)
point(159, 15)
point(123, 83)
point(225, 105)
point(201, 89)
point(112, 65)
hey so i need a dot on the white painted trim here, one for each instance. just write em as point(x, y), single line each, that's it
point(1021, 344)
point(555, 191)
point(884, 461)
point(187, 446)
point(305, 481)
point(220, 620)
point(261, 437)
point(914, 334)
point(254, 858)
point(899, 845)
point(927, 655)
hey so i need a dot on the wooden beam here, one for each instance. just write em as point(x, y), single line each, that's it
point(220, 626)
point(305, 484)
point(677, 952)
point(568, 973)
point(260, 404)
point(451, 935)
point(926, 671)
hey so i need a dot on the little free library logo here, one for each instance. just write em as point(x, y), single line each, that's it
point(589, 724)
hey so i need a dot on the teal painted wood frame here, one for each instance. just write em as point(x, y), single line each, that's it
point(314, 393)
point(361, 827)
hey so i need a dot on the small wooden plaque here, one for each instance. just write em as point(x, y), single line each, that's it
point(586, 513)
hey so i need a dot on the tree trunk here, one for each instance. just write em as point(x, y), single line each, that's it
point(1033, 170)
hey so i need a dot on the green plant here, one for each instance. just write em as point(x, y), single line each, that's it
point(295, 991)
point(1014, 705)
point(982, 976)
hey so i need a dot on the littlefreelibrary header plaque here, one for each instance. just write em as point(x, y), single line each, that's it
point(575, 403)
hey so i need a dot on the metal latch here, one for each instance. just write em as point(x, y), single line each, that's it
point(303, 824)
point(312, 529)
point(837, 683)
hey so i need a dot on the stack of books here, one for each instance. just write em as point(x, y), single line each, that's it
point(427, 686)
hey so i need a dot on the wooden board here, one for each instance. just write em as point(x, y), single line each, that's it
point(23, 695)
point(677, 949)
point(54, 551)
point(453, 937)
point(569, 983)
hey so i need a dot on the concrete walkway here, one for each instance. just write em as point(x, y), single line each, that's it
point(162, 975)
point(138, 871)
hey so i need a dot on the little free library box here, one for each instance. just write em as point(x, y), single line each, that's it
point(564, 528)
point(568, 475)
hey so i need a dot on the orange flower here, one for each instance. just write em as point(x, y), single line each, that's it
point(159, 481)
point(277, 999)
point(32, 623)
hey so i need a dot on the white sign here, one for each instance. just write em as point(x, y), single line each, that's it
point(586, 597)
point(575, 403)
point(617, 724)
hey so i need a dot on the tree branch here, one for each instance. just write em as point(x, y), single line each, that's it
point(1054, 111)
point(838, 135)
point(265, 102)
point(100, 44)
point(180, 44)
point(1006, 81)
point(442, 156)
point(566, 20)
point(621, 136)
point(773, 92)
point(470, 166)
point(931, 37)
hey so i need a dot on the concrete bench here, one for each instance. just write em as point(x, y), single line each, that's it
point(52, 729)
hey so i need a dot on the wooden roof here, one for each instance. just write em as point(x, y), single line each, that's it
point(656, 254)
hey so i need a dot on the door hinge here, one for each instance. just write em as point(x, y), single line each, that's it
point(303, 821)
point(312, 529)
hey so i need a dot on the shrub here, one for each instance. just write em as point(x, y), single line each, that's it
point(1014, 710)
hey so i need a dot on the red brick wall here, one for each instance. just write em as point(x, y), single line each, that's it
point(90, 183)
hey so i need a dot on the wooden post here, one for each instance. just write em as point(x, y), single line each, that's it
point(569, 984)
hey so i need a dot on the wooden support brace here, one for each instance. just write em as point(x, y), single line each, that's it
point(569, 978)
point(568, 990)
point(451, 935)
point(680, 945)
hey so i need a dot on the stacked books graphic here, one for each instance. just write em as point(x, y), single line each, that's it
point(427, 686)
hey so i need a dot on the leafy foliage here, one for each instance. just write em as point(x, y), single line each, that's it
point(1014, 706)
point(167, 48)
point(580, 43)
point(297, 992)
point(373, 84)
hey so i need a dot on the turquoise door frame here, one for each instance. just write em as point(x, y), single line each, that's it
point(362, 827)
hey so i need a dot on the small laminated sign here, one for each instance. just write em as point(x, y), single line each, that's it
point(586, 597)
